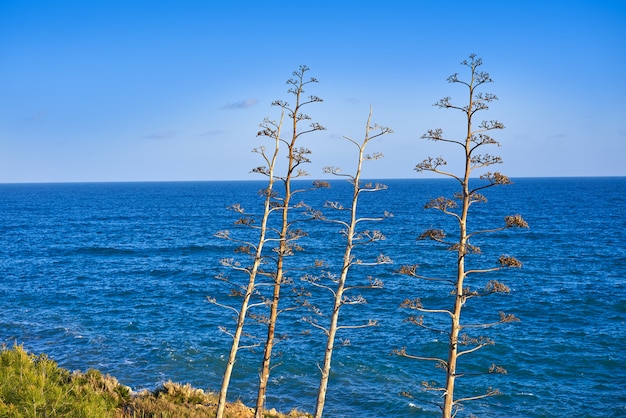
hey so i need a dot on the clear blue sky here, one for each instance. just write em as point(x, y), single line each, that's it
point(175, 89)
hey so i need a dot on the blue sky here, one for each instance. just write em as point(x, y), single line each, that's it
point(175, 90)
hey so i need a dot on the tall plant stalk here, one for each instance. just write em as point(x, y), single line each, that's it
point(271, 130)
point(296, 156)
point(353, 238)
point(476, 137)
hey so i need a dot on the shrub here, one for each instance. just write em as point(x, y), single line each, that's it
point(34, 386)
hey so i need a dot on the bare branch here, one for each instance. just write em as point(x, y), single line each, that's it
point(433, 164)
point(214, 301)
point(484, 160)
point(490, 392)
point(313, 322)
point(403, 353)
point(416, 304)
point(411, 270)
point(369, 323)
point(478, 343)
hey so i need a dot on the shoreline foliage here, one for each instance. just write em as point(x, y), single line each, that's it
point(35, 386)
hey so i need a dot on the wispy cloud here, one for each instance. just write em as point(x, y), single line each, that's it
point(160, 135)
point(242, 104)
point(39, 116)
point(213, 133)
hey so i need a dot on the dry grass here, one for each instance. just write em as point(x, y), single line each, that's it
point(184, 401)
point(175, 400)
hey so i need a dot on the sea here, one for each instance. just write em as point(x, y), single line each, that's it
point(120, 276)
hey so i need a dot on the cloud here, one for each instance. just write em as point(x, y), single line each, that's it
point(160, 135)
point(242, 104)
point(213, 133)
point(39, 116)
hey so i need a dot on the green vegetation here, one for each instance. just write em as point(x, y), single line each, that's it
point(35, 386)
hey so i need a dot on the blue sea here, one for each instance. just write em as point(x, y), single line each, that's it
point(115, 276)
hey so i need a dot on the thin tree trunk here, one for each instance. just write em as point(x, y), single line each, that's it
point(347, 263)
point(267, 354)
point(271, 329)
point(258, 257)
point(328, 354)
point(332, 330)
point(295, 157)
point(448, 404)
point(221, 405)
point(454, 348)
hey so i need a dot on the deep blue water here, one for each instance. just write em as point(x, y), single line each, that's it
point(115, 277)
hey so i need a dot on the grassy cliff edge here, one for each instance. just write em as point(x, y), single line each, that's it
point(35, 386)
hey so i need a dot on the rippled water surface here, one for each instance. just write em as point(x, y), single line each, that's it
point(116, 277)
